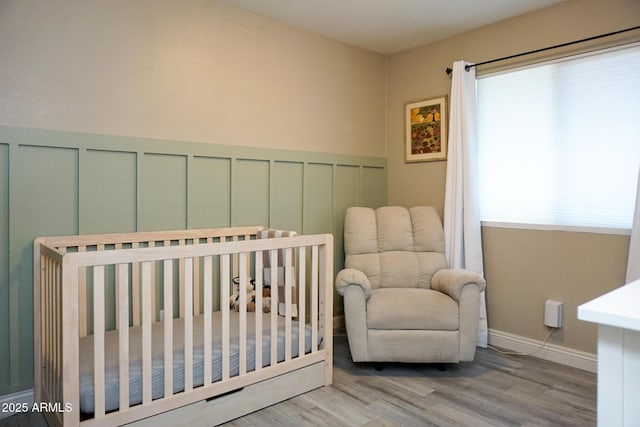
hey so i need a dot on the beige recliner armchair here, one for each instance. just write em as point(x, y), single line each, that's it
point(401, 302)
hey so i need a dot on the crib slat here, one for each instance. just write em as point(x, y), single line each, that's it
point(122, 274)
point(314, 298)
point(48, 314)
point(82, 297)
point(287, 303)
point(58, 327)
point(242, 330)
point(188, 324)
point(326, 308)
point(196, 286)
point(117, 288)
point(70, 343)
point(98, 340)
point(224, 302)
point(47, 310)
point(181, 282)
point(48, 325)
point(302, 271)
point(168, 327)
point(146, 331)
point(55, 325)
point(207, 295)
point(273, 254)
point(259, 302)
point(135, 289)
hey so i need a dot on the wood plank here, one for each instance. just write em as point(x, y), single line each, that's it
point(259, 303)
point(82, 297)
point(224, 298)
point(122, 272)
point(70, 344)
point(167, 284)
point(325, 256)
point(302, 286)
point(242, 327)
point(314, 298)
point(288, 273)
point(98, 340)
point(135, 287)
point(208, 309)
point(252, 397)
point(230, 248)
point(188, 324)
point(273, 256)
point(146, 331)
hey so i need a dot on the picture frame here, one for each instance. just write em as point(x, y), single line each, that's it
point(426, 124)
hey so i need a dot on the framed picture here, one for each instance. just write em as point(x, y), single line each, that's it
point(426, 130)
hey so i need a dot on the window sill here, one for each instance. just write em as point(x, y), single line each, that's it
point(569, 228)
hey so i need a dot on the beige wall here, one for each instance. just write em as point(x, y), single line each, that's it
point(186, 70)
point(523, 267)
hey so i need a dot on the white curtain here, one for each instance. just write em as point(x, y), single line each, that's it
point(463, 244)
point(633, 262)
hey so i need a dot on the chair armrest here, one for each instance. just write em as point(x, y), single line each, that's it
point(352, 276)
point(451, 281)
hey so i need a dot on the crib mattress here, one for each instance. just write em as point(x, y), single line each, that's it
point(135, 356)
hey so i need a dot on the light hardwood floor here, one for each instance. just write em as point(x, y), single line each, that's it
point(495, 390)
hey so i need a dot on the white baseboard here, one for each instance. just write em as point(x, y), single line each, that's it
point(15, 399)
point(554, 353)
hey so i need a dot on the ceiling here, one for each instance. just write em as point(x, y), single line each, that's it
point(390, 26)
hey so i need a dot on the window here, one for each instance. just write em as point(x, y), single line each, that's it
point(559, 142)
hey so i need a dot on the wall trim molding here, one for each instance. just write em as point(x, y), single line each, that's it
point(551, 352)
point(19, 397)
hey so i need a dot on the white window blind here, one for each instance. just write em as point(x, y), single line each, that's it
point(559, 143)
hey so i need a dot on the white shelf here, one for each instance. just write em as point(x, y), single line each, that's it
point(617, 314)
point(619, 308)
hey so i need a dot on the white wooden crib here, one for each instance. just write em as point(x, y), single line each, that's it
point(137, 327)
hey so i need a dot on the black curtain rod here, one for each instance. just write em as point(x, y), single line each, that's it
point(468, 67)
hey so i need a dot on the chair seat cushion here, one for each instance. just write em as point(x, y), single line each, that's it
point(411, 308)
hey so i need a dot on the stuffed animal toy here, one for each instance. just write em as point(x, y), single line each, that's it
point(234, 300)
point(266, 299)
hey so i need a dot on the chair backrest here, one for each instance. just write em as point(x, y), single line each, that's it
point(394, 246)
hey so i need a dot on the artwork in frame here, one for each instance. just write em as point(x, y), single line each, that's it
point(426, 130)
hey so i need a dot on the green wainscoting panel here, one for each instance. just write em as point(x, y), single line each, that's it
point(250, 187)
point(107, 191)
point(318, 198)
point(287, 181)
point(347, 192)
point(4, 263)
point(165, 209)
point(56, 182)
point(43, 189)
point(374, 181)
point(209, 192)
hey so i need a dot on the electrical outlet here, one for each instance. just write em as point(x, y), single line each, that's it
point(553, 313)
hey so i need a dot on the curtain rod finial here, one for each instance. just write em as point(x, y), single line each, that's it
point(448, 70)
